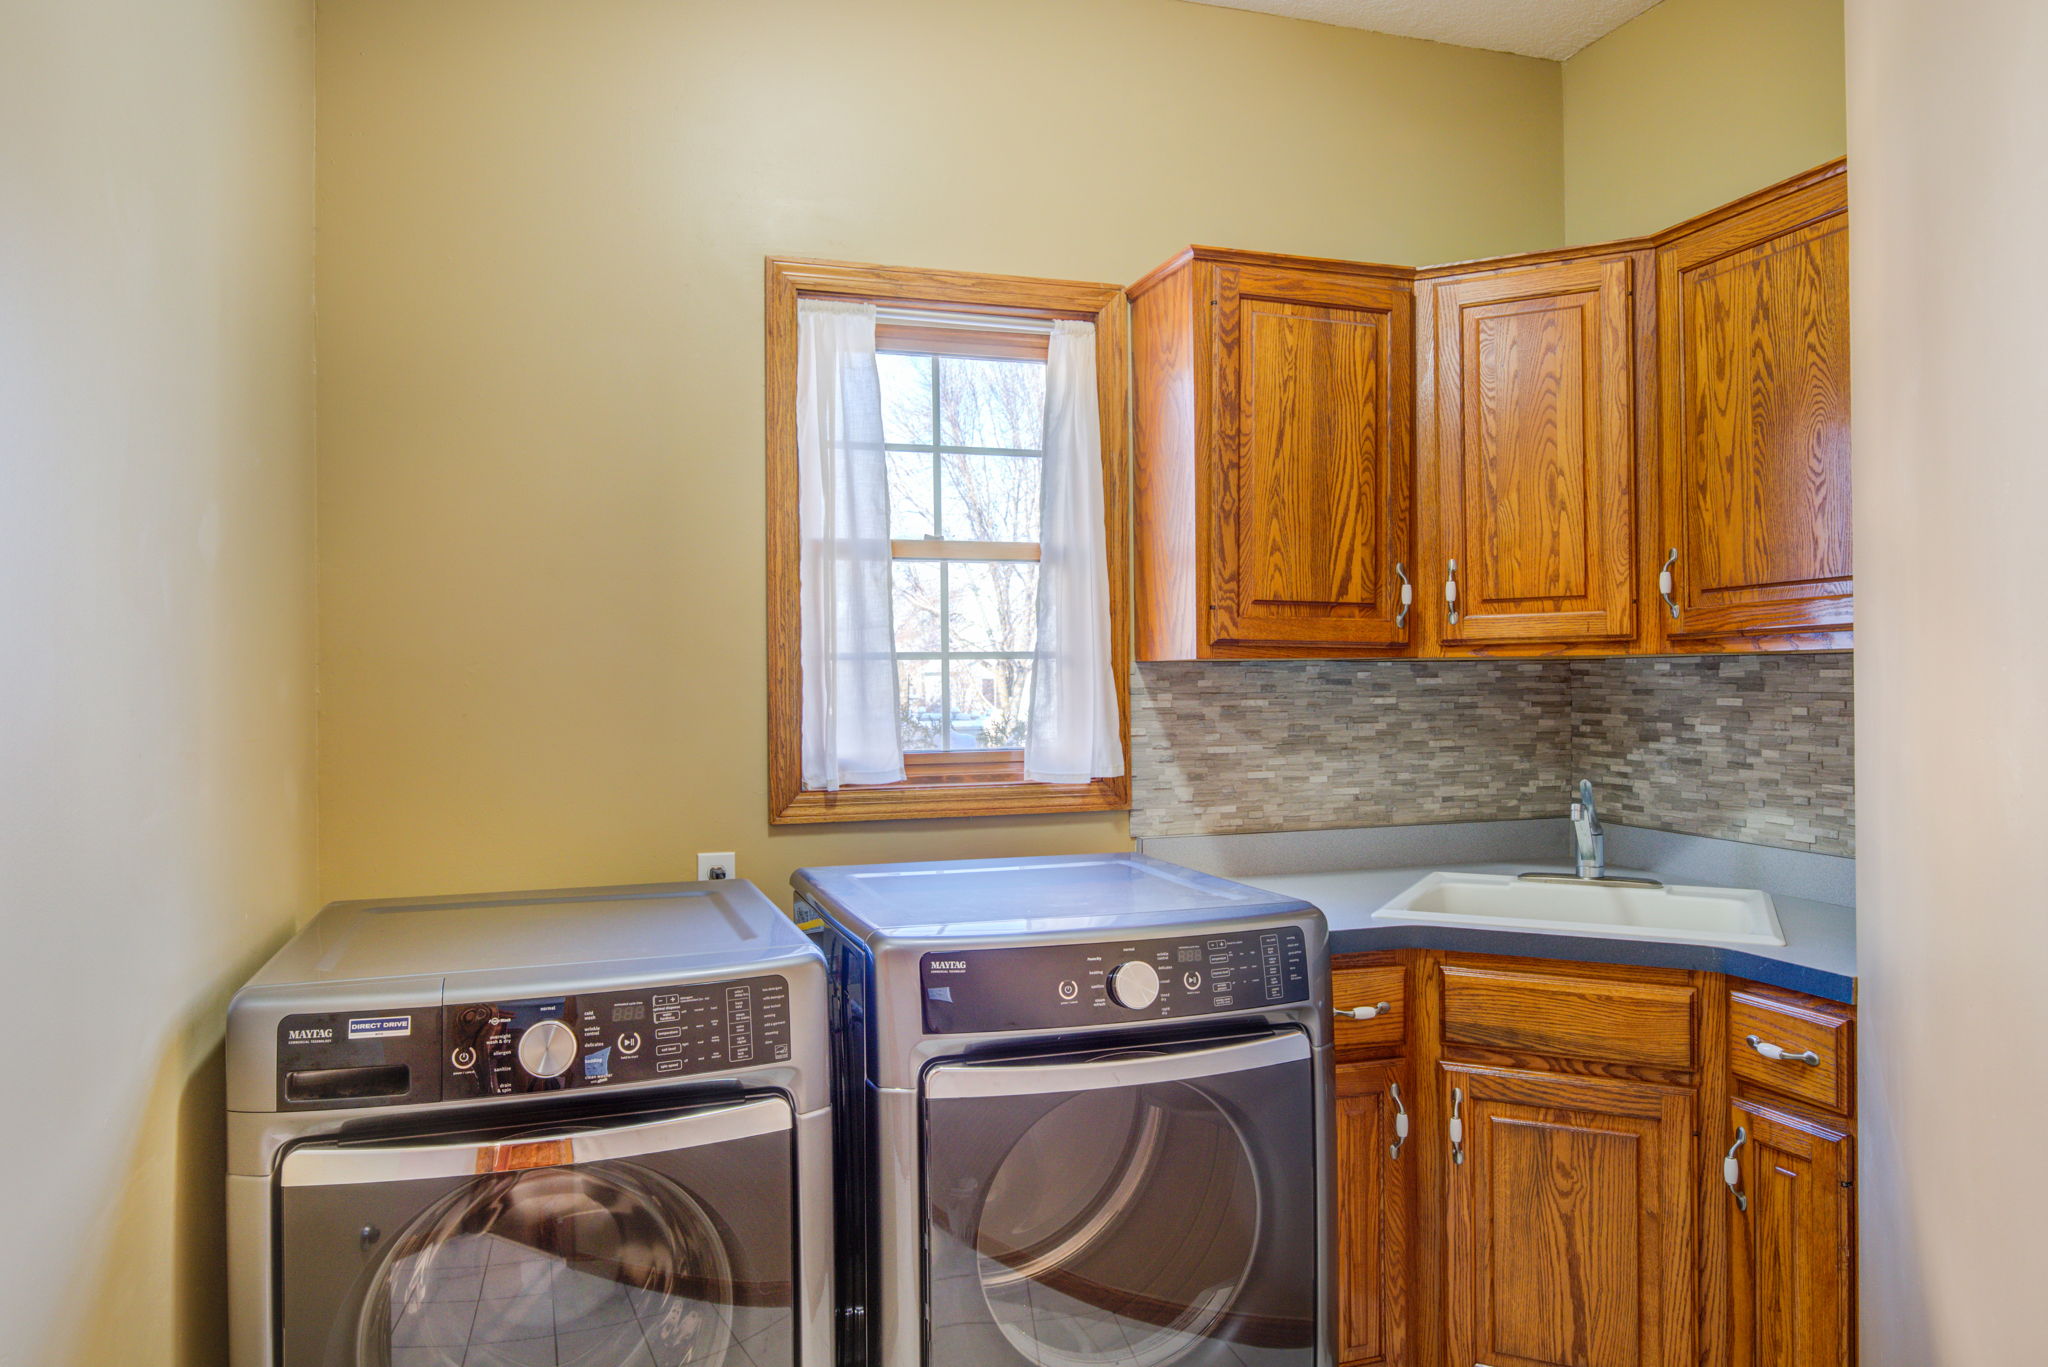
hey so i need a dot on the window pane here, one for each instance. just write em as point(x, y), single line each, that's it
point(910, 495)
point(991, 498)
point(915, 605)
point(993, 605)
point(906, 397)
point(991, 403)
point(991, 702)
point(920, 685)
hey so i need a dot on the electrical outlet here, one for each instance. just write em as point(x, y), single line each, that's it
point(723, 864)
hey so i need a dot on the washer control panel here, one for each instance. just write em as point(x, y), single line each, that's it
point(612, 1038)
point(1043, 987)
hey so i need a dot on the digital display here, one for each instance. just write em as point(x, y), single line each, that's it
point(628, 1011)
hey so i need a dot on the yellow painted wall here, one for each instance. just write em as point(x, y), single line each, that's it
point(156, 636)
point(1694, 103)
point(541, 233)
point(1948, 127)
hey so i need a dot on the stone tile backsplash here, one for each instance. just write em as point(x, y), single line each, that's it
point(1749, 747)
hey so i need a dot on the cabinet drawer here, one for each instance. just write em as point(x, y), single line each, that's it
point(1812, 1042)
point(1353, 988)
point(1645, 1025)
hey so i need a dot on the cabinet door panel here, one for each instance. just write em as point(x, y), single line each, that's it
point(1312, 385)
point(1755, 325)
point(1536, 452)
point(1375, 1216)
point(1793, 1275)
point(1569, 1226)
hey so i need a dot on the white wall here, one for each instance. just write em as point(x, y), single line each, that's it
point(1948, 145)
point(156, 636)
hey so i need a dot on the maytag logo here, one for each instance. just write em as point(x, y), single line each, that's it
point(949, 965)
point(317, 1034)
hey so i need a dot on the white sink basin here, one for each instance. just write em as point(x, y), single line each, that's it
point(1719, 916)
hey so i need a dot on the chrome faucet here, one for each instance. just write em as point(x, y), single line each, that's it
point(1589, 840)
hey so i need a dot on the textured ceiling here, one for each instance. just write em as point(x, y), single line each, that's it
point(1535, 28)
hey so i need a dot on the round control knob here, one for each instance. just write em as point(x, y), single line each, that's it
point(547, 1049)
point(1134, 985)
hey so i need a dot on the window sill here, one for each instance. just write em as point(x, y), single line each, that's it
point(941, 801)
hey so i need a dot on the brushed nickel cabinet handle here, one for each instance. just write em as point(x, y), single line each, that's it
point(1731, 1169)
point(1400, 1121)
point(1451, 591)
point(1457, 1126)
point(1778, 1055)
point(1365, 1013)
point(1665, 585)
point(1407, 595)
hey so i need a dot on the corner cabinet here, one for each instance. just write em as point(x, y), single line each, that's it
point(1589, 1164)
point(1274, 469)
point(1640, 448)
point(1753, 308)
point(1528, 469)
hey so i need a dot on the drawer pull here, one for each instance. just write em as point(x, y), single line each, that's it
point(1777, 1055)
point(1457, 1126)
point(1731, 1169)
point(1365, 1013)
point(1400, 1121)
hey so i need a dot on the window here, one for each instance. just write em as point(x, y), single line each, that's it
point(962, 368)
point(963, 418)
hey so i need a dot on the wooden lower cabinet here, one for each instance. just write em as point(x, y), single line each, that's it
point(1562, 1198)
point(1376, 1220)
point(1792, 1274)
point(1568, 1232)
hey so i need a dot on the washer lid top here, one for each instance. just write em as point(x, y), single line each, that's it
point(1050, 896)
point(665, 930)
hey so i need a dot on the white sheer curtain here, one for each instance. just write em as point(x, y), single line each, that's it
point(848, 644)
point(1075, 732)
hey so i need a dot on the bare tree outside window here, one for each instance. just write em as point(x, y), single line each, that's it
point(965, 439)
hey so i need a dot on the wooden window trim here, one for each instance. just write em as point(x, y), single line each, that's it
point(957, 784)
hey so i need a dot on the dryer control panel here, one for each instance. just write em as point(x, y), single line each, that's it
point(643, 1034)
point(1049, 987)
point(342, 1059)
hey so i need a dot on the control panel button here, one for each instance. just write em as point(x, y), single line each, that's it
point(629, 1043)
point(1191, 980)
point(464, 1058)
point(1134, 985)
point(547, 1049)
point(1069, 989)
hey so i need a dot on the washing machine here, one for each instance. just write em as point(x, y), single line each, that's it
point(1084, 1108)
point(585, 1126)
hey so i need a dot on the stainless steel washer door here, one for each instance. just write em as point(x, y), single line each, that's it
point(645, 1244)
point(1137, 1208)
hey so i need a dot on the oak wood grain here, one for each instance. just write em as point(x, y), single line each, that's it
point(1356, 987)
point(1603, 1020)
point(1792, 1269)
point(1754, 461)
point(1534, 453)
point(1796, 1024)
point(1570, 1223)
point(1376, 1203)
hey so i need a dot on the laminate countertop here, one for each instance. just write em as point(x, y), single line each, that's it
point(1349, 876)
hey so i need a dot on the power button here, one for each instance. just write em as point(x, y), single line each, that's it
point(463, 1058)
point(1069, 989)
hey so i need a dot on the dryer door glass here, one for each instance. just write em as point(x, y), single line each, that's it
point(640, 1244)
point(1141, 1208)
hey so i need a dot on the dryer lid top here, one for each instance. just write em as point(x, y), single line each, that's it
point(1046, 896)
point(669, 930)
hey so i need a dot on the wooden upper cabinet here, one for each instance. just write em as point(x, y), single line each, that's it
point(1530, 468)
point(1274, 459)
point(1569, 1238)
point(1753, 309)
